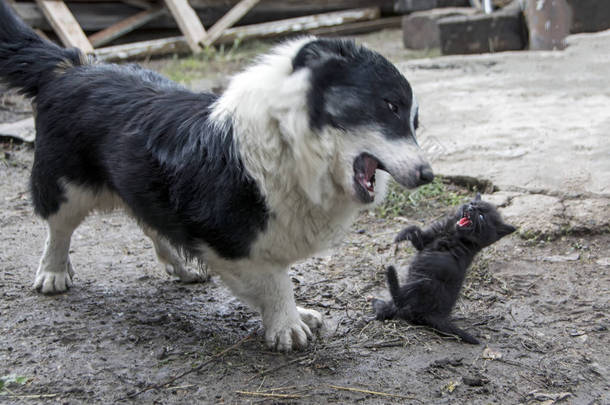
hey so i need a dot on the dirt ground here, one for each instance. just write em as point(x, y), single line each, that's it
point(127, 333)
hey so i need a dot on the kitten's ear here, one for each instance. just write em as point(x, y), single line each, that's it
point(477, 197)
point(505, 229)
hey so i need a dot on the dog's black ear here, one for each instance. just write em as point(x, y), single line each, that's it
point(317, 53)
point(505, 229)
point(477, 197)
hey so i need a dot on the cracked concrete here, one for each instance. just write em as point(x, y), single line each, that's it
point(535, 124)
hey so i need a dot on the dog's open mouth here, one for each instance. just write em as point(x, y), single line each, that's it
point(465, 221)
point(365, 166)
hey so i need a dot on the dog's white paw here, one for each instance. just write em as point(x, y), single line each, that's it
point(48, 282)
point(288, 334)
point(312, 318)
point(186, 274)
point(293, 333)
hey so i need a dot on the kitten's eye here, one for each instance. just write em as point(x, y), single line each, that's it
point(392, 107)
point(481, 217)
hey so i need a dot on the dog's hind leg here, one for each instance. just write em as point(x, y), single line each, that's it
point(55, 271)
point(171, 261)
point(269, 290)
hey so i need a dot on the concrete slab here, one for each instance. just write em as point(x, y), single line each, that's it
point(535, 215)
point(524, 120)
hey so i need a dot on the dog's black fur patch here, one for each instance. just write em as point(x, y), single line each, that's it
point(382, 96)
point(437, 272)
point(138, 135)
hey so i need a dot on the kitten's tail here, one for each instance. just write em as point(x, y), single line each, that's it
point(394, 286)
point(445, 326)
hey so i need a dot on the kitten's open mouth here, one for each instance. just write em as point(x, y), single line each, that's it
point(465, 221)
point(364, 176)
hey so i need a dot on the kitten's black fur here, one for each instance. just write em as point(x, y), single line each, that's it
point(446, 249)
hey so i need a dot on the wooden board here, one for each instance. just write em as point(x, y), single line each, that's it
point(188, 22)
point(359, 27)
point(64, 24)
point(276, 28)
point(129, 24)
point(299, 24)
point(94, 16)
point(228, 20)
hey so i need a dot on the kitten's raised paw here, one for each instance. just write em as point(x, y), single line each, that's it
point(413, 234)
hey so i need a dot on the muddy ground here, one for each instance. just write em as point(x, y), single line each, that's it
point(127, 333)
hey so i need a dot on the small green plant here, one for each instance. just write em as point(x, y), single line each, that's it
point(6, 380)
point(402, 202)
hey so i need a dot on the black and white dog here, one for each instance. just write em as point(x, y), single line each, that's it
point(246, 182)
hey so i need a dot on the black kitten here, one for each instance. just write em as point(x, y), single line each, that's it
point(446, 249)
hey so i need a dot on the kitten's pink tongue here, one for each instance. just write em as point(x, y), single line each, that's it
point(463, 222)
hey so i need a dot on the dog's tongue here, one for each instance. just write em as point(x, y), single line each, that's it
point(463, 222)
point(370, 165)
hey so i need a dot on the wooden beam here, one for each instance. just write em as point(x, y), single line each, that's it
point(276, 28)
point(359, 27)
point(64, 24)
point(300, 24)
point(143, 49)
point(228, 20)
point(129, 24)
point(188, 22)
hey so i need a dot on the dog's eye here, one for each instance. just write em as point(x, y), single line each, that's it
point(392, 107)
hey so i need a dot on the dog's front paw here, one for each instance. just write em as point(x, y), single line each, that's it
point(288, 334)
point(48, 282)
point(312, 318)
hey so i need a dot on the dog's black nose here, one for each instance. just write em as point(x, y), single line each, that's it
point(426, 175)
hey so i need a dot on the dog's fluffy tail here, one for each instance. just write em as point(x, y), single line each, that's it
point(26, 60)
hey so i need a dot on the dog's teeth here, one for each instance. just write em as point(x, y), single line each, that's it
point(368, 184)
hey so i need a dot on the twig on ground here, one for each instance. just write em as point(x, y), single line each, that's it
point(32, 396)
point(192, 370)
point(270, 395)
point(381, 394)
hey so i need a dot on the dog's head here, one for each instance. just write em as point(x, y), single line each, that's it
point(337, 114)
point(361, 97)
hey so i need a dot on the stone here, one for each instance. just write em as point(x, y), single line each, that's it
point(420, 29)
point(496, 32)
point(500, 198)
point(548, 23)
point(590, 15)
point(535, 215)
point(590, 215)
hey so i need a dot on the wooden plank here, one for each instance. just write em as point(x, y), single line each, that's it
point(143, 49)
point(276, 28)
point(228, 20)
point(299, 24)
point(64, 24)
point(125, 26)
point(98, 16)
point(189, 23)
point(359, 27)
